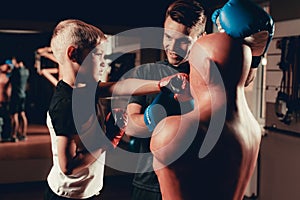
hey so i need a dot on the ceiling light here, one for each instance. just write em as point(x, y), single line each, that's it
point(18, 31)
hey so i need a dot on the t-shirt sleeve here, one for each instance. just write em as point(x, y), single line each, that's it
point(62, 118)
point(138, 73)
point(138, 100)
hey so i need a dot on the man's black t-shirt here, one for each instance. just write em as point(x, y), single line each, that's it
point(147, 179)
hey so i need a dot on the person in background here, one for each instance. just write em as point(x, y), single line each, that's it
point(18, 79)
point(48, 73)
point(5, 92)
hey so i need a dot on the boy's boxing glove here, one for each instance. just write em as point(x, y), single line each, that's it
point(116, 122)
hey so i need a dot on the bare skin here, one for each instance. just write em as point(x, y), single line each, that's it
point(226, 170)
point(4, 83)
point(48, 73)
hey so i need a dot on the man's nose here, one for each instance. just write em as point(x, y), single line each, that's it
point(172, 45)
point(102, 63)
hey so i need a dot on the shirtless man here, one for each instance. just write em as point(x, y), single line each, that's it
point(225, 170)
point(5, 90)
point(4, 83)
point(211, 152)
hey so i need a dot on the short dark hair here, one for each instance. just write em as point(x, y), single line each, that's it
point(189, 13)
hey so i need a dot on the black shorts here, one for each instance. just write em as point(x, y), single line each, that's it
point(17, 105)
point(140, 194)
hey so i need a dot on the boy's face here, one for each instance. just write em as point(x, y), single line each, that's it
point(177, 41)
point(97, 64)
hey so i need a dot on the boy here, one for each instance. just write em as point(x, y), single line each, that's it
point(78, 142)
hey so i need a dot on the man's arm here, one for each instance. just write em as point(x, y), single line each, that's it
point(8, 89)
point(47, 53)
point(48, 74)
point(136, 125)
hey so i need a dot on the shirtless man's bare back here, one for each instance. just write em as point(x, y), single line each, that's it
point(225, 170)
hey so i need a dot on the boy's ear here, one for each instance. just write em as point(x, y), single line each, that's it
point(73, 54)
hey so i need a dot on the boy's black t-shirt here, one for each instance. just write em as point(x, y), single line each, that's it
point(60, 110)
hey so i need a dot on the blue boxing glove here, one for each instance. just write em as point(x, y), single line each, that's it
point(165, 105)
point(245, 19)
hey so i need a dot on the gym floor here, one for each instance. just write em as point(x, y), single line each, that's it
point(115, 188)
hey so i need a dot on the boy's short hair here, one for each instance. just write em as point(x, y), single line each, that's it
point(75, 32)
point(189, 13)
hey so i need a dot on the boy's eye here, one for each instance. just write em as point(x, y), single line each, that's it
point(168, 36)
point(97, 54)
